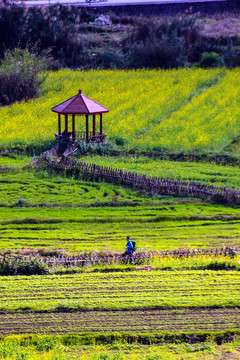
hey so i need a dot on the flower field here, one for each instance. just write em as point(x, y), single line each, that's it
point(190, 110)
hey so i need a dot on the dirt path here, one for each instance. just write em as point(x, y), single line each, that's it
point(145, 320)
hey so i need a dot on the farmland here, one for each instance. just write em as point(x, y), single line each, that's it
point(139, 301)
point(198, 172)
point(91, 229)
point(42, 211)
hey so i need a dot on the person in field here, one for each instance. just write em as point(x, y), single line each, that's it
point(130, 248)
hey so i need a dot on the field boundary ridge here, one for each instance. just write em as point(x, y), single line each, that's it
point(110, 257)
point(89, 338)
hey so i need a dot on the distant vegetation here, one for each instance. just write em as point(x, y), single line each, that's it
point(130, 42)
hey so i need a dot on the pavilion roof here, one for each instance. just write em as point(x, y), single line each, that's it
point(80, 104)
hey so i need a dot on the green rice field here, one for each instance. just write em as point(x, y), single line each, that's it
point(199, 172)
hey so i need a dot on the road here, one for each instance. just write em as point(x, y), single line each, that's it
point(114, 2)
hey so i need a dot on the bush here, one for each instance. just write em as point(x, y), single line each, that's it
point(22, 266)
point(119, 140)
point(210, 60)
point(20, 75)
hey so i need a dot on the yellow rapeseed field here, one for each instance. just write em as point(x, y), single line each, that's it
point(171, 110)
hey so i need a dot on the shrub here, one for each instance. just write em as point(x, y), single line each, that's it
point(211, 60)
point(109, 60)
point(54, 27)
point(22, 266)
point(119, 140)
point(20, 75)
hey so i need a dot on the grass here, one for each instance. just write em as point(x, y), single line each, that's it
point(197, 116)
point(56, 347)
point(33, 188)
point(153, 228)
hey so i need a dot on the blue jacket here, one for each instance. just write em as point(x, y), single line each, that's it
point(129, 246)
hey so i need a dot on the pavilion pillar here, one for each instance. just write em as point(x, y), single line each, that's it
point(87, 132)
point(59, 124)
point(94, 125)
point(100, 124)
point(66, 125)
point(73, 128)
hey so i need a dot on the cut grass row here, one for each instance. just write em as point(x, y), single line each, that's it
point(121, 290)
point(136, 321)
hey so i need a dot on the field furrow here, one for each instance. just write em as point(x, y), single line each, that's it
point(146, 320)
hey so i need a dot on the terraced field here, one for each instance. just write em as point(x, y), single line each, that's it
point(42, 210)
point(136, 301)
point(199, 172)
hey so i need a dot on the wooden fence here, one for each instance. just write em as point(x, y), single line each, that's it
point(155, 185)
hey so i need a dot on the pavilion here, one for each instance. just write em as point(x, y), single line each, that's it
point(80, 105)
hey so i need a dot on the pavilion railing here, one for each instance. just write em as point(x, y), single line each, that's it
point(82, 135)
